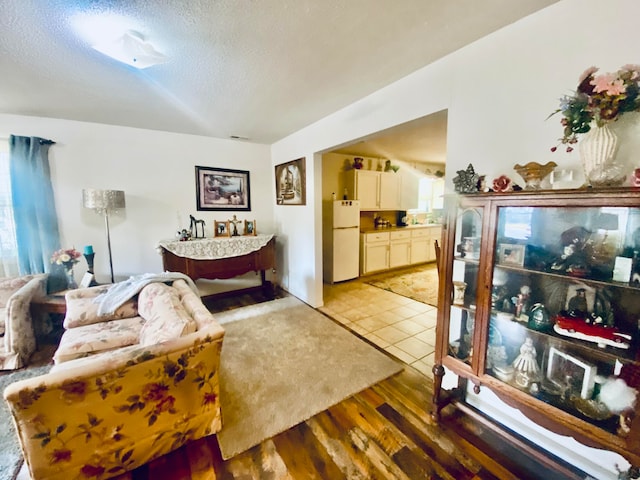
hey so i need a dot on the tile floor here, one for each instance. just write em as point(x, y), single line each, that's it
point(403, 327)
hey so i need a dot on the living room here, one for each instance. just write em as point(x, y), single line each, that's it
point(498, 91)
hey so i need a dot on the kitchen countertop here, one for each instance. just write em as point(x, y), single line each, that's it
point(395, 228)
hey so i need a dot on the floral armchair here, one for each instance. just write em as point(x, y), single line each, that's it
point(16, 324)
point(99, 416)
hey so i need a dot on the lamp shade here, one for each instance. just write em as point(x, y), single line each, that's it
point(103, 200)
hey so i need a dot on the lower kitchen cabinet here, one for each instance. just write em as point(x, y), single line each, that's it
point(374, 252)
point(399, 248)
point(383, 250)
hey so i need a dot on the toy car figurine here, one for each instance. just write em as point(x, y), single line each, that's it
point(588, 329)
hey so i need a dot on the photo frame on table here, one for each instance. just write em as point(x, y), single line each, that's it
point(291, 183)
point(222, 189)
point(561, 366)
point(87, 280)
point(511, 254)
point(221, 229)
point(250, 228)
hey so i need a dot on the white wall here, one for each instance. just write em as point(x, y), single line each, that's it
point(155, 170)
point(498, 92)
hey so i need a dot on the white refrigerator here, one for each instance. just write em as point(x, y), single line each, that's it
point(345, 240)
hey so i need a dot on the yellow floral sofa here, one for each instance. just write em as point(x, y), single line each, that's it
point(18, 339)
point(105, 407)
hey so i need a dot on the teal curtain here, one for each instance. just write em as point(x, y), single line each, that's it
point(34, 208)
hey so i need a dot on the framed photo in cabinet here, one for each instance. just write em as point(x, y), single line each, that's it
point(511, 254)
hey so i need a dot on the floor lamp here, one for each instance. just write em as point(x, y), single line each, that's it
point(104, 202)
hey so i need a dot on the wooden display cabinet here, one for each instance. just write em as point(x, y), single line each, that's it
point(540, 302)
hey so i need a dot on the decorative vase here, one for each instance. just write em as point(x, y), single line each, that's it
point(534, 173)
point(598, 149)
point(68, 273)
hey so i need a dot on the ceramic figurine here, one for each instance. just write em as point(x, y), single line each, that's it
point(466, 181)
point(526, 365)
point(539, 318)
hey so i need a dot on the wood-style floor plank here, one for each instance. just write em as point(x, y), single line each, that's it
point(385, 432)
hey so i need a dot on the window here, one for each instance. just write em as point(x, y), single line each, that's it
point(8, 241)
point(430, 196)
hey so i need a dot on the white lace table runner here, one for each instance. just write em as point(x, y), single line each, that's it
point(213, 248)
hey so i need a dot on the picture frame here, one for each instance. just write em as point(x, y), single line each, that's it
point(561, 366)
point(221, 229)
point(250, 228)
point(222, 189)
point(291, 183)
point(87, 280)
point(511, 254)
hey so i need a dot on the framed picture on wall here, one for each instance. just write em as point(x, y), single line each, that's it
point(222, 189)
point(291, 183)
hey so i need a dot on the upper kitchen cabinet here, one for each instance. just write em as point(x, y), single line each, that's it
point(375, 190)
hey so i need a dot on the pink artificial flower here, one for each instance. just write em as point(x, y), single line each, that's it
point(587, 73)
point(502, 184)
point(608, 83)
point(635, 178)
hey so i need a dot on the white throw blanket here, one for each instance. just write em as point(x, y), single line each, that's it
point(120, 292)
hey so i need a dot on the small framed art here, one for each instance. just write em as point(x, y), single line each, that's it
point(511, 254)
point(250, 227)
point(221, 229)
point(222, 189)
point(568, 371)
point(291, 183)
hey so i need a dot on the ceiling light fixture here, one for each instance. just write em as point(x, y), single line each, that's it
point(130, 48)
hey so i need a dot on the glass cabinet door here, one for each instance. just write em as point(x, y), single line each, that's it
point(464, 283)
point(565, 309)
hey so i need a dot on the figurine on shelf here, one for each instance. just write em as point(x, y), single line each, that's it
point(466, 181)
point(194, 227)
point(539, 318)
point(234, 223)
point(521, 301)
point(526, 365)
point(578, 304)
point(183, 235)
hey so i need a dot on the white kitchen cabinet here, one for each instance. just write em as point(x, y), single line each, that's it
point(374, 252)
point(375, 190)
point(399, 248)
point(420, 248)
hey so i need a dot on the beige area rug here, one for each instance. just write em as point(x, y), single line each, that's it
point(420, 284)
point(282, 363)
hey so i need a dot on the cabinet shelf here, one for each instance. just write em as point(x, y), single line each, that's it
point(574, 278)
point(605, 353)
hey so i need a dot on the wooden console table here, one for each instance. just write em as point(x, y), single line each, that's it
point(198, 260)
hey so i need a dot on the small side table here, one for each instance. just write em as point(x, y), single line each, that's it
point(54, 303)
point(54, 306)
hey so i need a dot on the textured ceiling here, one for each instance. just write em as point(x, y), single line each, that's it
point(260, 69)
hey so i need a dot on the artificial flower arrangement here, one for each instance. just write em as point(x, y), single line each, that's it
point(68, 257)
point(599, 99)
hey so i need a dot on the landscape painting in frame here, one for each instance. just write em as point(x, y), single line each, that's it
point(290, 183)
point(222, 189)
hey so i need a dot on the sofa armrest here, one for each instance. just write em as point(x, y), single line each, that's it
point(119, 412)
point(19, 337)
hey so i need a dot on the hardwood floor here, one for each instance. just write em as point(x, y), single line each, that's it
point(384, 432)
